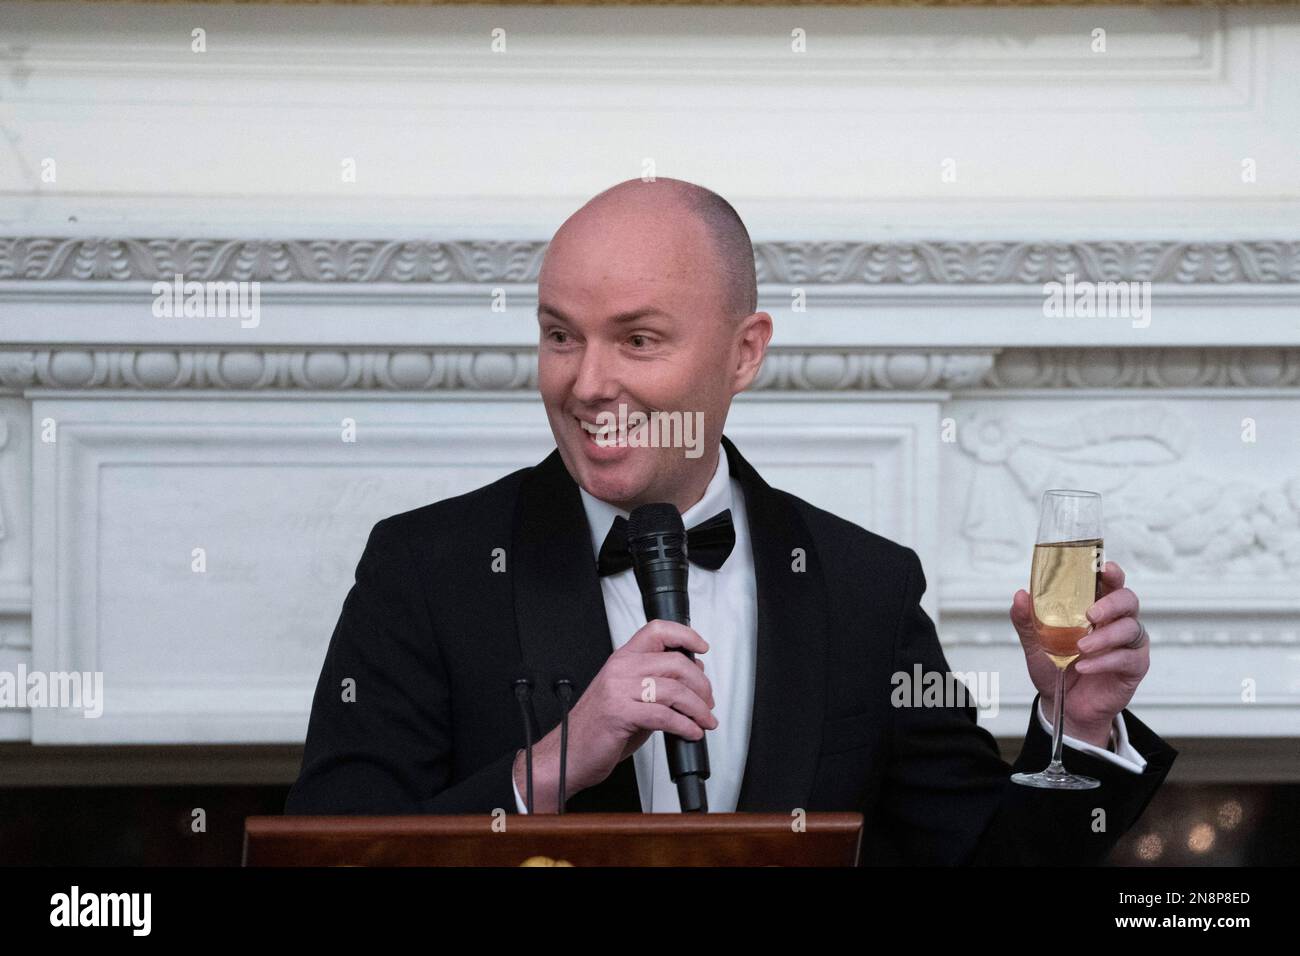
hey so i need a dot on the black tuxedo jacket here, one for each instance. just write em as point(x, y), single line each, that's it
point(431, 635)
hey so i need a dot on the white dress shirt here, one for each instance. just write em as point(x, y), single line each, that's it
point(724, 611)
point(1124, 754)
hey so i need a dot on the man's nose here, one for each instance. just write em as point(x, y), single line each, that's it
point(595, 381)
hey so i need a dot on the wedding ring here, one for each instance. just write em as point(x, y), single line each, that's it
point(1138, 641)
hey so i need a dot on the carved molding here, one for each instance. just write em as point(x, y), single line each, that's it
point(482, 369)
point(1165, 513)
point(868, 263)
point(515, 369)
point(266, 369)
point(1220, 632)
point(1145, 368)
point(842, 370)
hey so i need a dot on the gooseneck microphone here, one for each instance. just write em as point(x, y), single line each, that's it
point(564, 691)
point(656, 539)
point(523, 686)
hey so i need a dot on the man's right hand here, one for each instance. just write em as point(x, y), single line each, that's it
point(644, 686)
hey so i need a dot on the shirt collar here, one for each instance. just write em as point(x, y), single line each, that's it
point(716, 498)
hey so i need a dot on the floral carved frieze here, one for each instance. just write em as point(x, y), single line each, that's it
point(474, 261)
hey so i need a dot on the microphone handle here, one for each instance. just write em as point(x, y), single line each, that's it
point(664, 596)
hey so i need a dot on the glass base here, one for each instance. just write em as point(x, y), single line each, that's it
point(1058, 780)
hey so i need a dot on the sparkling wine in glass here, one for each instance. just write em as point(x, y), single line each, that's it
point(1064, 582)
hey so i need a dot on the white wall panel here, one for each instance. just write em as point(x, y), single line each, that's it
point(924, 309)
point(846, 139)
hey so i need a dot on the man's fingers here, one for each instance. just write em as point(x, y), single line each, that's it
point(667, 635)
point(673, 664)
point(1022, 616)
point(681, 699)
point(1116, 634)
point(1116, 604)
point(659, 717)
point(1112, 576)
point(1126, 662)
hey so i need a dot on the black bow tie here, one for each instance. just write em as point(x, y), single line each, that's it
point(707, 544)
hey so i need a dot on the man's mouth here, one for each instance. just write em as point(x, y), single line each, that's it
point(591, 428)
point(606, 436)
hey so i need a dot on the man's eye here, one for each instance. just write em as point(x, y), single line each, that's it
point(554, 333)
point(638, 340)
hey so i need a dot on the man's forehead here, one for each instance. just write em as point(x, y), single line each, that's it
point(626, 316)
point(613, 289)
point(625, 233)
point(615, 262)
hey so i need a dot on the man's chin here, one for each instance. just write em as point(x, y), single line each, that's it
point(614, 482)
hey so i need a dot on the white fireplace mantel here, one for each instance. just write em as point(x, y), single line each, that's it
point(912, 184)
point(176, 434)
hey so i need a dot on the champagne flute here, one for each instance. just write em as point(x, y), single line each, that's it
point(1063, 583)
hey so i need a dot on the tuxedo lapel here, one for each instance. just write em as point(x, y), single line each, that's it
point(560, 610)
point(790, 669)
point(563, 630)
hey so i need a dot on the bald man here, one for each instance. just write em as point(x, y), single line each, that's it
point(647, 314)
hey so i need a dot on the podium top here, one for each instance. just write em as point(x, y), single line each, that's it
point(577, 839)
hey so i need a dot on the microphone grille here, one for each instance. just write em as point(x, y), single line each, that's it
point(660, 517)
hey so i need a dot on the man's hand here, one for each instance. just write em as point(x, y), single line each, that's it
point(1115, 657)
point(646, 685)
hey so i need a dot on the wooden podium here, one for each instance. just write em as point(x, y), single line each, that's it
point(577, 839)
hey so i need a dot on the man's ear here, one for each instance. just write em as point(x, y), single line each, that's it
point(753, 334)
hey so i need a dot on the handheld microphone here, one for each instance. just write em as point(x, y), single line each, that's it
point(656, 539)
point(523, 686)
point(564, 691)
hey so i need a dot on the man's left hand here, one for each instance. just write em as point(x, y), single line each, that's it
point(1114, 657)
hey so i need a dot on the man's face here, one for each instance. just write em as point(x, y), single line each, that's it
point(628, 314)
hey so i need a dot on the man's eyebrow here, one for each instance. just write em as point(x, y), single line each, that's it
point(621, 317)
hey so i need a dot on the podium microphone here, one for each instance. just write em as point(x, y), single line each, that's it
point(564, 691)
point(656, 539)
point(523, 686)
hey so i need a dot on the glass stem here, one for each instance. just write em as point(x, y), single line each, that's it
point(1058, 725)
